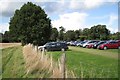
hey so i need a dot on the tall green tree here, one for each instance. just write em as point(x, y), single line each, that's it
point(86, 32)
point(99, 32)
point(78, 33)
point(61, 33)
point(31, 24)
point(1, 37)
point(54, 34)
point(70, 35)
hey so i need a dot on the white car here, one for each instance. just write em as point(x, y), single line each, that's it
point(87, 43)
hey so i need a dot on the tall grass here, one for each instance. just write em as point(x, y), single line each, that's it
point(41, 63)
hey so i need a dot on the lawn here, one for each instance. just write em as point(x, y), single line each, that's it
point(13, 64)
point(88, 65)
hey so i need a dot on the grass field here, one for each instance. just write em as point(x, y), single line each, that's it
point(85, 63)
point(91, 65)
point(13, 64)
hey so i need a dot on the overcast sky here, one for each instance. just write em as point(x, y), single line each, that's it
point(71, 14)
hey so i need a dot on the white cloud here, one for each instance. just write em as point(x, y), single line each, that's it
point(93, 3)
point(4, 27)
point(88, 4)
point(113, 30)
point(75, 4)
point(8, 7)
point(112, 19)
point(70, 21)
point(113, 0)
point(85, 4)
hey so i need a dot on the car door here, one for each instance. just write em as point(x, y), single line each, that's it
point(116, 45)
point(58, 46)
point(113, 45)
point(52, 46)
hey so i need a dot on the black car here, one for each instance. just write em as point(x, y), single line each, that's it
point(54, 46)
point(97, 44)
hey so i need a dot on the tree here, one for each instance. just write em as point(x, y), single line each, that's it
point(77, 33)
point(54, 34)
point(6, 37)
point(70, 35)
point(115, 36)
point(1, 37)
point(31, 25)
point(99, 32)
point(61, 33)
point(86, 32)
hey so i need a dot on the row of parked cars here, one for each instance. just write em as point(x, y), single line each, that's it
point(97, 44)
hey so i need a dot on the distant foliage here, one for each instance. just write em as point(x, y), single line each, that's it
point(99, 32)
point(54, 34)
point(31, 24)
point(61, 33)
point(115, 36)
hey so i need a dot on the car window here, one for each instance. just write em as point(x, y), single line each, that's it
point(113, 42)
point(58, 44)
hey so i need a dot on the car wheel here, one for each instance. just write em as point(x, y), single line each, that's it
point(105, 48)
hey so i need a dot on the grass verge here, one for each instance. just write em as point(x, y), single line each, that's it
point(13, 63)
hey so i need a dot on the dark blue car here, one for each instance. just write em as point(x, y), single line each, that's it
point(54, 46)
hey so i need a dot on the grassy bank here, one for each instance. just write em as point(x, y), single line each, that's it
point(13, 64)
point(87, 65)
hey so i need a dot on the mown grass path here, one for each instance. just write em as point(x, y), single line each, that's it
point(107, 53)
point(13, 64)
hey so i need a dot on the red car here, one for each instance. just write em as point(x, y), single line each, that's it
point(90, 45)
point(110, 45)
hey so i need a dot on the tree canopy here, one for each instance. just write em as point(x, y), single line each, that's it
point(31, 25)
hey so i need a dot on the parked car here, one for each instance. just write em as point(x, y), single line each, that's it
point(76, 42)
point(89, 42)
point(72, 43)
point(91, 45)
point(110, 45)
point(54, 46)
point(81, 44)
point(97, 44)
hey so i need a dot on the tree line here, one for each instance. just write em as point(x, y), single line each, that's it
point(30, 24)
point(98, 32)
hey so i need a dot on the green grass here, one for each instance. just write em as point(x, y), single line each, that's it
point(79, 60)
point(84, 64)
point(13, 64)
point(113, 50)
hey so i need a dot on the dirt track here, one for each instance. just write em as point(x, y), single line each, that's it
point(6, 45)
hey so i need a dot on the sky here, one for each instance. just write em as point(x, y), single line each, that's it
point(71, 14)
